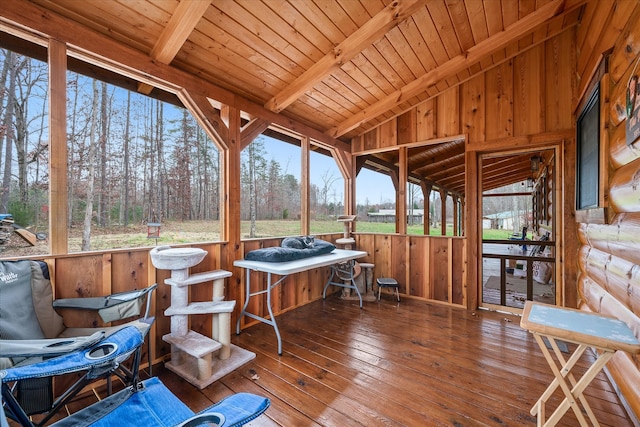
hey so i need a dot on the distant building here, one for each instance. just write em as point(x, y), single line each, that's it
point(414, 216)
point(501, 220)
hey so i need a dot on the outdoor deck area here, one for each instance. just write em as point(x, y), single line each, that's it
point(411, 364)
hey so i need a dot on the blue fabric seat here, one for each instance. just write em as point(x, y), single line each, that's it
point(153, 404)
point(148, 403)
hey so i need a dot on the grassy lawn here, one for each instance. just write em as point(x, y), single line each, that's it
point(172, 233)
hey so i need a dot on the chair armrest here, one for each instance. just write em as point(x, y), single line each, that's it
point(47, 347)
point(107, 306)
point(210, 419)
point(239, 408)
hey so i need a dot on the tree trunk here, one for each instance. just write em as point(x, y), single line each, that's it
point(253, 198)
point(73, 114)
point(102, 193)
point(88, 214)
point(10, 134)
point(124, 192)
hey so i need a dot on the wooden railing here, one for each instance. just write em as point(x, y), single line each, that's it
point(526, 254)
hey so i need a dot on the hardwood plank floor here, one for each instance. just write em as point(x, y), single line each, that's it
point(407, 364)
point(390, 364)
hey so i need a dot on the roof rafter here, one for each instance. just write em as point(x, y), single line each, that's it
point(452, 67)
point(373, 30)
point(180, 25)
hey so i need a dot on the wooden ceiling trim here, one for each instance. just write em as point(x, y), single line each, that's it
point(439, 161)
point(218, 26)
point(180, 26)
point(477, 16)
point(395, 60)
point(297, 24)
point(513, 52)
point(453, 66)
point(431, 37)
point(363, 37)
point(371, 72)
point(460, 19)
point(357, 75)
point(493, 16)
point(411, 32)
point(314, 14)
point(113, 23)
point(440, 15)
point(240, 21)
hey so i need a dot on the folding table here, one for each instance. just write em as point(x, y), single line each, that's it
point(606, 334)
point(284, 269)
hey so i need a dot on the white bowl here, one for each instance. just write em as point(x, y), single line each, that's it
point(168, 258)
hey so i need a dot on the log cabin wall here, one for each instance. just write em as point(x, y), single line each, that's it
point(609, 258)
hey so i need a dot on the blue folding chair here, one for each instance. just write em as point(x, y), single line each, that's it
point(144, 403)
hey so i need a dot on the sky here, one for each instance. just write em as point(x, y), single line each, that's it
point(371, 187)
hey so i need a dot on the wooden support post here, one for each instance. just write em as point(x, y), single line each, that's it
point(58, 209)
point(305, 221)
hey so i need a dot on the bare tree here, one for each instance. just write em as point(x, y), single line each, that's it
point(124, 187)
point(9, 118)
point(328, 179)
point(88, 215)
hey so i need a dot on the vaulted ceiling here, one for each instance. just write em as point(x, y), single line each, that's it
point(339, 66)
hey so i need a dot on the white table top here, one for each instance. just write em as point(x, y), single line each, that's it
point(579, 327)
point(291, 267)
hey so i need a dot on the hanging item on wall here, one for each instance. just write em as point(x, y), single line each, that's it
point(633, 107)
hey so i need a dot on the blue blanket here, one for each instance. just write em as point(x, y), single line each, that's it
point(280, 254)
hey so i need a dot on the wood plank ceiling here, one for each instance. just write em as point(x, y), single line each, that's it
point(340, 66)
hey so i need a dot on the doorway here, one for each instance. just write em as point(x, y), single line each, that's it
point(518, 208)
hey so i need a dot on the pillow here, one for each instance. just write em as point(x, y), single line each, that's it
point(280, 254)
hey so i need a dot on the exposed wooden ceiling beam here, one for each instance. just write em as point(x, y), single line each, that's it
point(251, 130)
point(180, 25)
point(450, 68)
point(208, 117)
point(37, 24)
point(373, 30)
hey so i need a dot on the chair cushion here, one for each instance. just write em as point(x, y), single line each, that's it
point(18, 318)
point(280, 254)
point(42, 291)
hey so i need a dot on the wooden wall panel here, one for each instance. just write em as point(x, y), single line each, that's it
point(419, 266)
point(499, 101)
point(425, 121)
point(560, 86)
point(388, 134)
point(473, 108)
point(400, 261)
point(440, 271)
point(78, 277)
point(458, 267)
point(422, 273)
point(448, 117)
point(528, 101)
